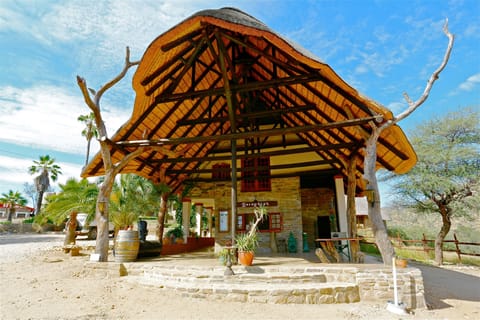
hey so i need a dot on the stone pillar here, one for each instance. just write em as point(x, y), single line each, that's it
point(186, 207)
point(198, 218)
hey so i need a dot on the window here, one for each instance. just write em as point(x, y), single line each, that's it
point(256, 174)
point(242, 222)
point(271, 223)
point(221, 171)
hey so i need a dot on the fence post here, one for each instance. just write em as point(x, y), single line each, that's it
point(425, 244)
point(457, 248)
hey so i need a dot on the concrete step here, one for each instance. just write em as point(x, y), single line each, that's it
point(251, 284)
point(277, 293)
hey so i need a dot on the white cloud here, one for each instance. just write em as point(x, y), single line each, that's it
point(15, 170)
point(397, 106)
point(470, 83)
point(104, 28)
point(14, 173)
point(46, 117)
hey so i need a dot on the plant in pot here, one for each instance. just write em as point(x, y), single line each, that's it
point(247, 243)
point(176, 234)
point(226, 254)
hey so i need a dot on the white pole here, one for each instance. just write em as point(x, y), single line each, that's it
point(395, 292)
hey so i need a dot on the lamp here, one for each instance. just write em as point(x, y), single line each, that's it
point(370, 194)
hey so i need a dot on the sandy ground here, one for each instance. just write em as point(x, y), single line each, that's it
point(39, 281)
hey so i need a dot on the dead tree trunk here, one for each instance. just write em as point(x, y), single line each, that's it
point(111, 170)
point(71, 227)
point(161, 215)
point(374, 208)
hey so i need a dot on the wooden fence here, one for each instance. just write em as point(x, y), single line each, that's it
point(427, 245)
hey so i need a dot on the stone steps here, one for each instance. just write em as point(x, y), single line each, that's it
point(251, 284)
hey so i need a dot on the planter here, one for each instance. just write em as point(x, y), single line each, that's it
point(126, 246)
point(401, 263)
point(245, 258)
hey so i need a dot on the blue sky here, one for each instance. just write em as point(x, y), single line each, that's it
point(382, 48)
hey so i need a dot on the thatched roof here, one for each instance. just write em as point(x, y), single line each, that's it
point(222, 75)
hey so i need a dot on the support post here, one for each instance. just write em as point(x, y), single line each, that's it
point(186, 207)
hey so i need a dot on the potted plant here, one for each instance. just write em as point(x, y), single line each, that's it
point(226, 254)
point(175, 234)
point(247, 243)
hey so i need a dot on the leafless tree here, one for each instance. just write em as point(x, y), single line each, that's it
point(374, 210)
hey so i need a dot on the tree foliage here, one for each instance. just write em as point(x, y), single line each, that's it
point(446, 177)
point(89, 132)
point(48, 169)
point(12, 199)
point(74, 195)
point(448, 167)
point(132, 197)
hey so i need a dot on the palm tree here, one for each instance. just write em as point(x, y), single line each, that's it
point(48, 169)
point(132, 197)
point(74, 195)
point(90, 130)
point(12, 199)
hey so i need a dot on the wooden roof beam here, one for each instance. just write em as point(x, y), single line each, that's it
point(250, 115)
point(243, 135)
point(271, 167)
point(257, 155)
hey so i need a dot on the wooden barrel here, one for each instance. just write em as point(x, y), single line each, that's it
point(126, 246)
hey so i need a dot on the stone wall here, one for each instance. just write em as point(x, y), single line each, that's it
point(315, 202)
point(376, 284)
point(285, 191)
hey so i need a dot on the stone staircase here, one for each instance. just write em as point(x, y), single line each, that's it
point(277, 285)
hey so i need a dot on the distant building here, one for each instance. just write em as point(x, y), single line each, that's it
point(361, 208)
point(20, 211)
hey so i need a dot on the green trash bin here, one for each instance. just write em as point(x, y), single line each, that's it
point(292, 243)
point(305, 243)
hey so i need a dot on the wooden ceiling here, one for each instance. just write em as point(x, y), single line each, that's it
point(222, 75)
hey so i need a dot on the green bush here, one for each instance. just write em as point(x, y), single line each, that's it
point(395, 232)
point(369, 248)
point(29, 220)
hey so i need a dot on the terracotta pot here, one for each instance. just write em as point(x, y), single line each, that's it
point(401, 263)
point(245, 258)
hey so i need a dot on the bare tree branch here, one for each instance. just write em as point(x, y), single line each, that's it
point(132, 155)
point(413, 105)
point(119, 77)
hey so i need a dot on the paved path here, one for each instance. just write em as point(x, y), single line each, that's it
point(443, 284)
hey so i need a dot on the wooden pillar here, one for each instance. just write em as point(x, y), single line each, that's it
point(351, 209)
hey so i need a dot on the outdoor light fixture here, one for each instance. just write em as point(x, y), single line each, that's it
point(370, 194)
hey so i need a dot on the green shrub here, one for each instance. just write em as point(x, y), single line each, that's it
point(369, 248)
point(29, 220)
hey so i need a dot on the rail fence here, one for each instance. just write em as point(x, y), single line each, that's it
point(427, 245)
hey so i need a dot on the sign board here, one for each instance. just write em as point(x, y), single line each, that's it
point(253, 204)
point(223, 221)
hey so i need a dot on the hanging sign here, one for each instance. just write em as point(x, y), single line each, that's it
point(253, 204)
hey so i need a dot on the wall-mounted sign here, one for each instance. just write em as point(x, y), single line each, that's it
point(223, 221)
point(253, 204)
